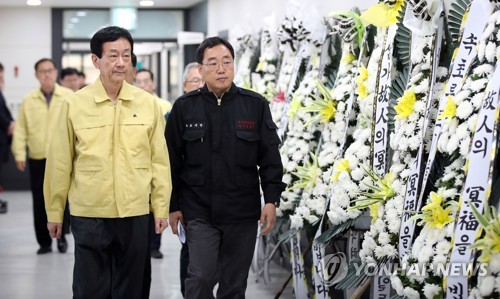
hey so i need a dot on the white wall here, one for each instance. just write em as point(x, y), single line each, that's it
point(25, 37)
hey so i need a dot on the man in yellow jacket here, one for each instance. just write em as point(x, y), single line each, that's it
point(108, 155)
point(34, 129)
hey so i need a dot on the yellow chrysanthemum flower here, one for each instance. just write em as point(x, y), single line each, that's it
point(363, 75)
point(348, 58)
point(362, 91)
point(434, 215)
point(382, 15)
point(374, 211)
point(405, 104)
point(489, 244)
point(341, 166)
point(328, 112)
point(295, 105)
point(308, 175)
point(450, 110)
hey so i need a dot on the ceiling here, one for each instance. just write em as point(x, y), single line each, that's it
point(101, 3)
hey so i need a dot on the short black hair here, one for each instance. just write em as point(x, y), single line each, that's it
point(1, 67)
point(209, 43)
point(67, 72)
point(133, 59)
point(109, 34)
point(44, 60)
point(81, 74)
point(146, 71)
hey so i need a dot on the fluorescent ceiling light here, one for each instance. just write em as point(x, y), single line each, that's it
point(146, 3)
point(75, 20)
point(81, 13)
point(34, 2)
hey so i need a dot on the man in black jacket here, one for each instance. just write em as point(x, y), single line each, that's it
point(6, 129)
point(221, 140)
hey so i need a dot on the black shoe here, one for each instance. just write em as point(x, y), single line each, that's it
point(3, 207)
point(45, 249)
point(156, 254)
point(62, 245)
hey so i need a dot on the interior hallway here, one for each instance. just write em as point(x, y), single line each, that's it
point(25, 275)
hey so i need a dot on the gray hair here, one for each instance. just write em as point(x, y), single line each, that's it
point(188, 68)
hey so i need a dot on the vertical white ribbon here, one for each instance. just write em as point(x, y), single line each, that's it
point(472, 28)
point(476, 190)
point(298, 270)
point(382, 102)
point(407, 229)
point(318, 252)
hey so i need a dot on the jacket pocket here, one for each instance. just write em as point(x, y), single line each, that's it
point(247, 147)
point(194, 144)
point(192, 178)
point(91, 186)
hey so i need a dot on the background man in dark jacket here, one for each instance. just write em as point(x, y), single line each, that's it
point(221, 140)
point(6, 129)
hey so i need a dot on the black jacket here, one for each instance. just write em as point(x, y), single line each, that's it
point(214, 153)
point(5, 140)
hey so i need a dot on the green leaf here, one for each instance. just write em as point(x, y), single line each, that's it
point(403, 45)
point(357, 274)
point(455, 16)
point(334, 231)
point(288, 235)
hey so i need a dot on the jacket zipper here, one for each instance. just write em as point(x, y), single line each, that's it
point(219, 100)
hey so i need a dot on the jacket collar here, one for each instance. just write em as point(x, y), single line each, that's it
point(57, 92)
point(100, 95)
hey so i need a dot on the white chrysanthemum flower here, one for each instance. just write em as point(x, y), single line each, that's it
point(431, 290)
point(483, 70)
point(384, 238)
point(491, 51)
point(486, 285)
point(443, 247)
point(464, 110)
point(452, 144)
point(495, 263)
point(397, 285)
point(425, 254)
point(477, 100)
point(296, 221)
point(411, 293)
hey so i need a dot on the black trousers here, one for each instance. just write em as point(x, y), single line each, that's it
point(219, 253)
point(184, 262)
point(37, 173)
point(109, 256)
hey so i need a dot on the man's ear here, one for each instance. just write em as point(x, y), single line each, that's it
point(95, 61)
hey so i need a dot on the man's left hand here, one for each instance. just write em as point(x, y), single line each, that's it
point(160, 225)
point(268, 218)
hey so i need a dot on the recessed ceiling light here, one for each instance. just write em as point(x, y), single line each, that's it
point(81, 13)
point(146, 3)
point(34, 2)
point(75, 20)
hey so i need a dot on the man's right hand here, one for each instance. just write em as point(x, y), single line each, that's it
point(21, 165)
point(173, 218)
point(55, 229)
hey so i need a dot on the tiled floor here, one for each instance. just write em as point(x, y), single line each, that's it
point(25, 275)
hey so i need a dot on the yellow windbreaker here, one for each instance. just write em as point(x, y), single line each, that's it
point(35, 123)
point(165, 105)
point(108, 158)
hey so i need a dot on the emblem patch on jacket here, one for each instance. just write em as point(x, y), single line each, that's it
point(245, 124)
point(194, 125)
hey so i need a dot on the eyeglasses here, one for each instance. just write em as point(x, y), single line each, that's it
point(215, 65)
point(45, 72)
point(195, 81)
